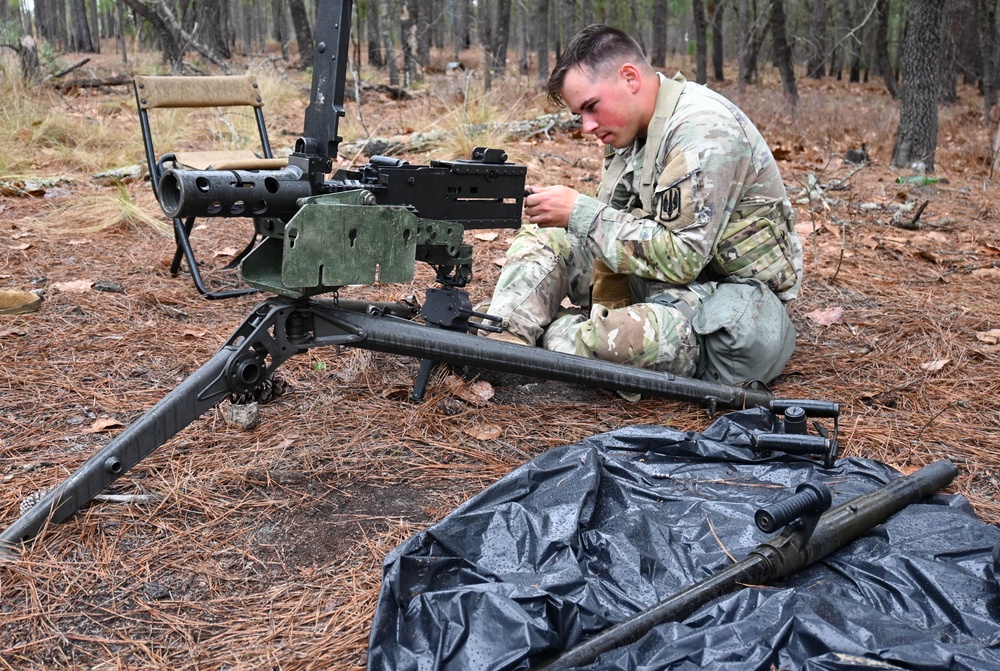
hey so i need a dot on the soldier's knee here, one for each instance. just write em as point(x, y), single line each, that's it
point(645, 335)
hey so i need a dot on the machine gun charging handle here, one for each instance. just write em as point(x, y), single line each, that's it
point(809, 499)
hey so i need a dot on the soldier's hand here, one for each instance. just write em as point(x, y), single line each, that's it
point(549, 206)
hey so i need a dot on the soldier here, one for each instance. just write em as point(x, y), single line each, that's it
point(685, 259)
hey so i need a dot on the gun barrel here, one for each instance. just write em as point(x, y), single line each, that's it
point(232, 193)
point(771, 560)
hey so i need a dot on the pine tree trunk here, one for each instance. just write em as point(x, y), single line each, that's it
point(541, 25)
point(59, 23)
point(303, 32)
point(386, 12)
point(502, 36)
point(816, 66)
point(661, 12)
point(718, 40)
point(170, 44)
point(412, 72)
point(916, 138)
point(460, 38)
point(80, 36)
point(986, 14)
point(375, 54)
point(425, 31)
point(95, 27)
point(212, 19)
point(700, 39)
point(279, 26)
point(950, 35)
point(882, 63)
point(745, 27)
point(782, 52)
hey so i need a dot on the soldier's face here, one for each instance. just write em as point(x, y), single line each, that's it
point(606, 104)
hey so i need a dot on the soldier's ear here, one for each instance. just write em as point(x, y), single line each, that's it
point(631, 75)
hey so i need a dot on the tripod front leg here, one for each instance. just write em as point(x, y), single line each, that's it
point(251, 355)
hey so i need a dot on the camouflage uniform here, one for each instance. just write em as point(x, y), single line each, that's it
point(659, 241)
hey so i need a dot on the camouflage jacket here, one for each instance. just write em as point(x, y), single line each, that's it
point(684, 217)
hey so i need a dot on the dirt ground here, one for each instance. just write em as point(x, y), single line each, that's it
point(262, 548)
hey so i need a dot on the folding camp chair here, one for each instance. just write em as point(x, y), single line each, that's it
point(194, 92)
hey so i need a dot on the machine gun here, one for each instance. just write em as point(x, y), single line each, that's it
point(812, 534)
point(361, 226)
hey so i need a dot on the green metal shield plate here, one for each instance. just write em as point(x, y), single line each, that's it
point(335, 245)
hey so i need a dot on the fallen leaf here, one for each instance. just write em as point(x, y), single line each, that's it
point(74, 287)
point(500, 261)
point(103, 424)
point(21, 247)
point(78, 242)
point(937, 364)
point(226, 251)
point(827, 317)
point(486, 237)
point(986, 272)
point(487, 432)
point(991, 337)
point(477, 393)
point(805, 229)
point(193, 333)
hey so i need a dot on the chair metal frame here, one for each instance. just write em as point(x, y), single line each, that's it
point(152, 92)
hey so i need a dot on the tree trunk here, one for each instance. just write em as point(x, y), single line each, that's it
point(495, 35)
point(27, 51)
point(718, 40)
point(170, 42)
point(882, 63)
point(541, 21)
point(661, 12)
point(95, 27)
point(916, 138)
point(745, 27)
point(212, 19)
point(856, 40)
point(386, 11)
point(701, 38)
point(460, 37)
point(412, 72)
point(60, 19)
point(425, 30)
point(45, 20)
point(986, 15)
point(303, 32)
point(816, 66)
point(782, 52)
point(523, 58)
point(502, 36)
point(950, 35)
point(376, 59)
point(80, 39)
point(279, 26)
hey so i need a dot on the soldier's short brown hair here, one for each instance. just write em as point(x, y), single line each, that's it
point(594, 48)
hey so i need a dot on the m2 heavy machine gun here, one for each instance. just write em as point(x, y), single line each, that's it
point(361, 226)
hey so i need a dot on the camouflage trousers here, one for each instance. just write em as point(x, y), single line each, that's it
point(544, 267)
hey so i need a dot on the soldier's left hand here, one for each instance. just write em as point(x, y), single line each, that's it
point(550, 206)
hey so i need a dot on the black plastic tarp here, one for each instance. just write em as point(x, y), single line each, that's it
point(587, 535)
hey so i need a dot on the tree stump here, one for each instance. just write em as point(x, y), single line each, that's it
point(28, 52)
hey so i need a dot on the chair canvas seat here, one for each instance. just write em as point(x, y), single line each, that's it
point(201, 92)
